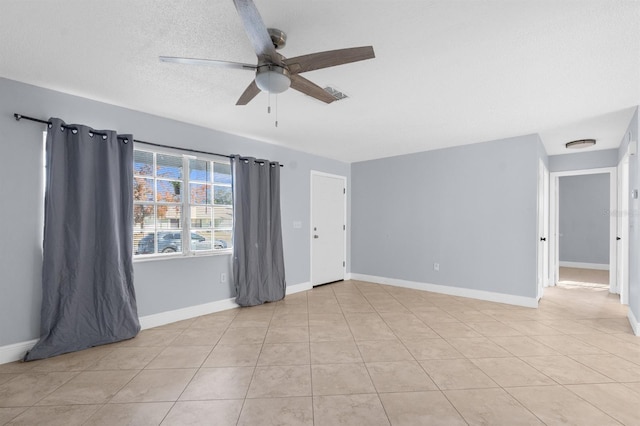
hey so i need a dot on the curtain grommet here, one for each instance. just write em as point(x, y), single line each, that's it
point(74, 131)
point(90, 134)
point(104, 137)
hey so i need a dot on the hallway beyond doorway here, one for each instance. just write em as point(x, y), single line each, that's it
point(583, 277)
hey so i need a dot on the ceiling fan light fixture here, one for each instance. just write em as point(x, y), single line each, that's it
point(272, 78)
point(580, 143)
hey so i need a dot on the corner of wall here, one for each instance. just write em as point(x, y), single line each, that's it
point(635, 325)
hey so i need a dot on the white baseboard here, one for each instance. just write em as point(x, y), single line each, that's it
point(584, 265)
point(167, 317)
point(529, 302)
point(634, 323)
point(16, 351)
point(347, 276)
point(297, 288)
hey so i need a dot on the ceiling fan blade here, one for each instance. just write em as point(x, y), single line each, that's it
point(331, 58)
point(305, 86)
point(249, 93)
point(257, 31)
point(209, 62)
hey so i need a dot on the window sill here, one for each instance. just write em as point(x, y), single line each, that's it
point(156, 257)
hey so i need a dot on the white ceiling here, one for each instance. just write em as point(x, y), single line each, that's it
point(446, 72)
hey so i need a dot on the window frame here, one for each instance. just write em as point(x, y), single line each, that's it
point(185, 204)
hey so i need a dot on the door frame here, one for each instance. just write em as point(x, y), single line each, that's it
point(555, 217)
point(622, 214)
point(344, 238)
point(542, 247)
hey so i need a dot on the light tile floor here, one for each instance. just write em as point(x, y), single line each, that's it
point(351, 353)
point(583, 277)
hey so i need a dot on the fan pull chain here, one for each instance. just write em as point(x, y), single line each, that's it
point(276, 110)
point(269, 96)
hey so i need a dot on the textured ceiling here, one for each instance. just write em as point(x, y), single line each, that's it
point(446, 72)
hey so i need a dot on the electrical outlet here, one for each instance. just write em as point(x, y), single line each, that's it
point(223, 277)
point(436, 266)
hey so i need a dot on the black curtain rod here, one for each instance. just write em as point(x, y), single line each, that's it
point(19, 117)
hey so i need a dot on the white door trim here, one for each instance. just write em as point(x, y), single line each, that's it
point(554, 218)
point(542, 246)
point(622, 214)
point(344, 240)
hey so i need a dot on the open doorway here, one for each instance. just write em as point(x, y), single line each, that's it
point(571, 276)
point(584, 229)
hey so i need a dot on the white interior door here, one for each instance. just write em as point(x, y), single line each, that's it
point(554, 268)
point(614, 284)
point(545, 275)
point(543, 228)
point(328, 227)
point(622, 237)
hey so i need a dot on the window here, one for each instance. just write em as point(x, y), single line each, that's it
point(177, 199)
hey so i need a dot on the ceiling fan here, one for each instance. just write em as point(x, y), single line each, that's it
point(274, 72)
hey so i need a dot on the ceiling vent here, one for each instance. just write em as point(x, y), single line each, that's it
point(339, 95)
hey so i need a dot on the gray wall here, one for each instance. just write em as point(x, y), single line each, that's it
point(584, 218)
point(472, 209)
point(161, 285)
point(583, 160)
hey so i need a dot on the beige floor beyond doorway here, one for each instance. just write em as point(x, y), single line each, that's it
point(583, 277)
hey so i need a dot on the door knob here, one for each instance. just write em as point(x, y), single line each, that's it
point(315, 236)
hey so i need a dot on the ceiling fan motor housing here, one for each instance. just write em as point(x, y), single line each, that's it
point(278, 37)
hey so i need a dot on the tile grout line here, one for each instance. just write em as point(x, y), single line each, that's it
point(255, 367)
point(197, 369)
point(313, 409)
point(362, 291)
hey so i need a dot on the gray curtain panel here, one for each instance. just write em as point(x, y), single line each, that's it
point(88, 297)
point(258, 260)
